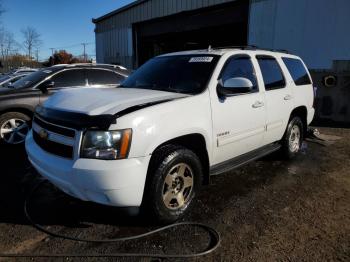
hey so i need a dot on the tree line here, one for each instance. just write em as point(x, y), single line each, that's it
point(15, 54)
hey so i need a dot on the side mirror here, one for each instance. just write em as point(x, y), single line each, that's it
point(44, 86)
point(236, 85)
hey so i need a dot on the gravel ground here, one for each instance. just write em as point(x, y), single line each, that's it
point(269, 210)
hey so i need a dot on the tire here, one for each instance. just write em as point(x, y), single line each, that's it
point(169, 192)
point(293, 138)
point(14, 127)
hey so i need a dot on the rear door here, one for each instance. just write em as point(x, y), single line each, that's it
point(300, 81)
point(238, 121)
point(278, 97)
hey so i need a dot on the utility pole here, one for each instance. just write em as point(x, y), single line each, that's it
point(84, 54)
point(52, 50)
point(2, 51)
point(37, 55)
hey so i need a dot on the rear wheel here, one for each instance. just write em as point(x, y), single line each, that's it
point(14, 127)
point(174, 177)
point(293, 138)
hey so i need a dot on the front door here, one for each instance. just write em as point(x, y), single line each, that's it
point(238, 121)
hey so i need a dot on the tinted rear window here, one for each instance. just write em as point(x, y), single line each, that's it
point(271, 72)
point(104, 77)
point(69, 78)
point(298, 71)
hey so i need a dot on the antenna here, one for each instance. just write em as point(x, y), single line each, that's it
point(84, 53)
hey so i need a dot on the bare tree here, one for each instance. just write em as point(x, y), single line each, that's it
point(8, 44)
point(11, 43)
point(31, 40)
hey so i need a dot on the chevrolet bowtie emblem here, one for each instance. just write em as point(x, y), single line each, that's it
point(43, 134)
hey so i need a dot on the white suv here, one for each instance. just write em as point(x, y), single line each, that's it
point(177, 120)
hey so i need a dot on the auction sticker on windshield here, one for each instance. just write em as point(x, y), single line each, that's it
point(204, 59)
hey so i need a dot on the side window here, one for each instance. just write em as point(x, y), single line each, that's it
point(240, 67)
point(104, 77)
point(297, 70)
point(271, 72)
point(73, 77)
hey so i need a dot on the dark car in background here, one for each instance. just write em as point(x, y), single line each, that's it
point(8, 80)
point(18, 101)
point(22, 70)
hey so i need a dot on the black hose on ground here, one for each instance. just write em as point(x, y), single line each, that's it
point(214, 237)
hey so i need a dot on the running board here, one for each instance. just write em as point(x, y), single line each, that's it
point(243, 159)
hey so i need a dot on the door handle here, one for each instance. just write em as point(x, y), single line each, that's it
point(258, 104)
point(288, 97)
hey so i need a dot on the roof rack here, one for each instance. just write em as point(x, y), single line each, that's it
point(252, 47)
point(58, 65)
point(94, 64)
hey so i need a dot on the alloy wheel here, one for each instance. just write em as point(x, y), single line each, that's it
point(294, 139)
point(178, 186)
point(14, 131)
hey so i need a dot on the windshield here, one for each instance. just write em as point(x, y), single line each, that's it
point(31, 79)
point(187, 74)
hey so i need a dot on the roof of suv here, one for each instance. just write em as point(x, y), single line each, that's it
point(221, 51)
point(120, 69)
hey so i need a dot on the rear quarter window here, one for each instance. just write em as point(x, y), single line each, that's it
point(104, 77)
point(297, 70)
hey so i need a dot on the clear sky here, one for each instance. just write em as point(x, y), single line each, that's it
point(63, 24)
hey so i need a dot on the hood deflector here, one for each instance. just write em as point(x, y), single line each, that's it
point(82, 121)
point(75, 120)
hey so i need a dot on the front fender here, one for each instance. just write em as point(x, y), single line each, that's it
point(158, 124)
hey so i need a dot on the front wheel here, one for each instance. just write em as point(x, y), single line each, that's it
point(174, 177)
point(293, 138)
point(14, 127)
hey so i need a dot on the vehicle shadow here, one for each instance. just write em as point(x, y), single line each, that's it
point(50, 207)
point(47, 205)
point(14, 166)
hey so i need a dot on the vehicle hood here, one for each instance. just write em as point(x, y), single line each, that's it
point(97, 101)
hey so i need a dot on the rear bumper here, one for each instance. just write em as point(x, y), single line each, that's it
point(116, 183)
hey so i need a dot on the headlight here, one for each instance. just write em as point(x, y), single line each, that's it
point(107, 145)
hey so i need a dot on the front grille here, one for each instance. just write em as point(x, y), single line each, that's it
point(53, 147)
point(54, 128)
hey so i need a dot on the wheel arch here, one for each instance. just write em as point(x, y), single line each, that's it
point(22, 110)
point(300, 111)
point(195, 142)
